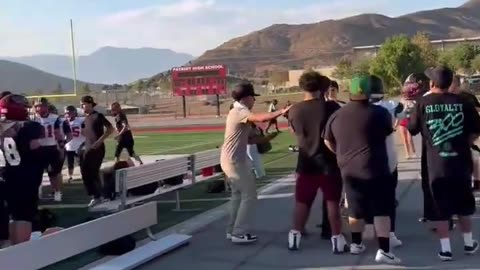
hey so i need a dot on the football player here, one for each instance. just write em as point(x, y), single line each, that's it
point(19, 155)
point(53, 144)
point(125, 136)
point(75, 123)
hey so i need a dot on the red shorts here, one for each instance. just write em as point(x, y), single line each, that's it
point(308, 185)
point(404, 122)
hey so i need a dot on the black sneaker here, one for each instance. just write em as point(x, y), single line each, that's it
point(244, 239)
point(471, 250)
point(445, 256)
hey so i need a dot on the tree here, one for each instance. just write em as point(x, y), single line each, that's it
point(428, 53)
point(476, 63)
point(362, 67)
point(445, 58)
point(462, 57)
point(345, 69)
point(85, 89)
point(397, 58)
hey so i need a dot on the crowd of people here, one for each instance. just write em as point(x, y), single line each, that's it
point(348, 150)
point(31, 145)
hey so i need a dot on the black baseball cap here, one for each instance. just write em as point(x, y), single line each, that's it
point(242, 90)
point(89, 100)
point(441, 76)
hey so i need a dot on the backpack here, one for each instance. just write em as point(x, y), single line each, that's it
point(217, 186)
point(118, 247)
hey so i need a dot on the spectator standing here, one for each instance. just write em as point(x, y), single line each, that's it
point(449, 125)
point(357, 133)
point(256, 137)
point(236, 165)
point(316, 166)
point(332, 93)
point(469, 97)
point(271, 109)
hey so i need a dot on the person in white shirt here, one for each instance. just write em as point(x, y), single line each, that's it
point(75, 122)
point(271, 109)
point(395, 109)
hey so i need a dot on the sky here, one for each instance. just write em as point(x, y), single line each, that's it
point(30, 27)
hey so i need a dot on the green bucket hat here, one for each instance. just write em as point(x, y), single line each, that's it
point(361, 85)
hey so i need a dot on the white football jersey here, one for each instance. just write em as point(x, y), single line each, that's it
point(48, 124)
point(77, 137)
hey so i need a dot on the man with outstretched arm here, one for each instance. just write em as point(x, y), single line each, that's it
point(236, 165)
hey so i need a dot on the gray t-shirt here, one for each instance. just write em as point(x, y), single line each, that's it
point(237, 131)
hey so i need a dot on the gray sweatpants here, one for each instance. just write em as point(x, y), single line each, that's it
point(244, 196)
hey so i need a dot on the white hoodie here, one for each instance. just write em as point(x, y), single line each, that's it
point(390, 105)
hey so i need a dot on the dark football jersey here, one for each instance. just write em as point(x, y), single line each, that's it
point(17, 159)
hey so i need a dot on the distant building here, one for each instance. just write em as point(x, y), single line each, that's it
point(294, 75)
point(442, 45)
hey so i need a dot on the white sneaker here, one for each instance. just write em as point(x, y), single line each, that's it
point(356, 249)
point(57, 196)
point(294, 238)
point(244, 239)
point(339, 244)
point(394, 241)
point(388, 258)
point(94, 202)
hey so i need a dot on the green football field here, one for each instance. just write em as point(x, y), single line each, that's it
point(278, 162)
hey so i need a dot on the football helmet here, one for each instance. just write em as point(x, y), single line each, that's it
point(14, 107)
point(415, 86)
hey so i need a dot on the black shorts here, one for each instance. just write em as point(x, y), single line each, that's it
point(127, 144)
point(22, 197)
point(53, 160)
point(370, 197)
point(4, 216)
point(446, 197)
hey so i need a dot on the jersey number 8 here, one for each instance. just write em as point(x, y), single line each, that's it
point(9, 153)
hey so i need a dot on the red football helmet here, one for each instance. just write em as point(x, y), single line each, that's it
point(14, 107)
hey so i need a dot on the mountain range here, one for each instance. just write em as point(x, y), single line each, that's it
point(284, 46)
point(20, 78)
point(108, 65)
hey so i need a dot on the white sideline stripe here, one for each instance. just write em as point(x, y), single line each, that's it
point(145, 253)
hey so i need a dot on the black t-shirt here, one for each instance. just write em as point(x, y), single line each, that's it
point(359, 130)
point(470, 98)
point(18, 159)
point(446, 122)
point(308, 119)
point(120, 121)
point(93, 127)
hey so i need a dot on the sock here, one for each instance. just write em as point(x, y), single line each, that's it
point(445, 243)
point(392, 234)
point(357, 238)
point(384, 244)
point(468, 239)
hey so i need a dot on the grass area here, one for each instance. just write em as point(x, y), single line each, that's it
point(278, 162)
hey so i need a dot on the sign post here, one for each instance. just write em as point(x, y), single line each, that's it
point(218, 104)
point(184, 105)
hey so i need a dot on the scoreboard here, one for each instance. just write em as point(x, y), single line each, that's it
point(199, 80)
